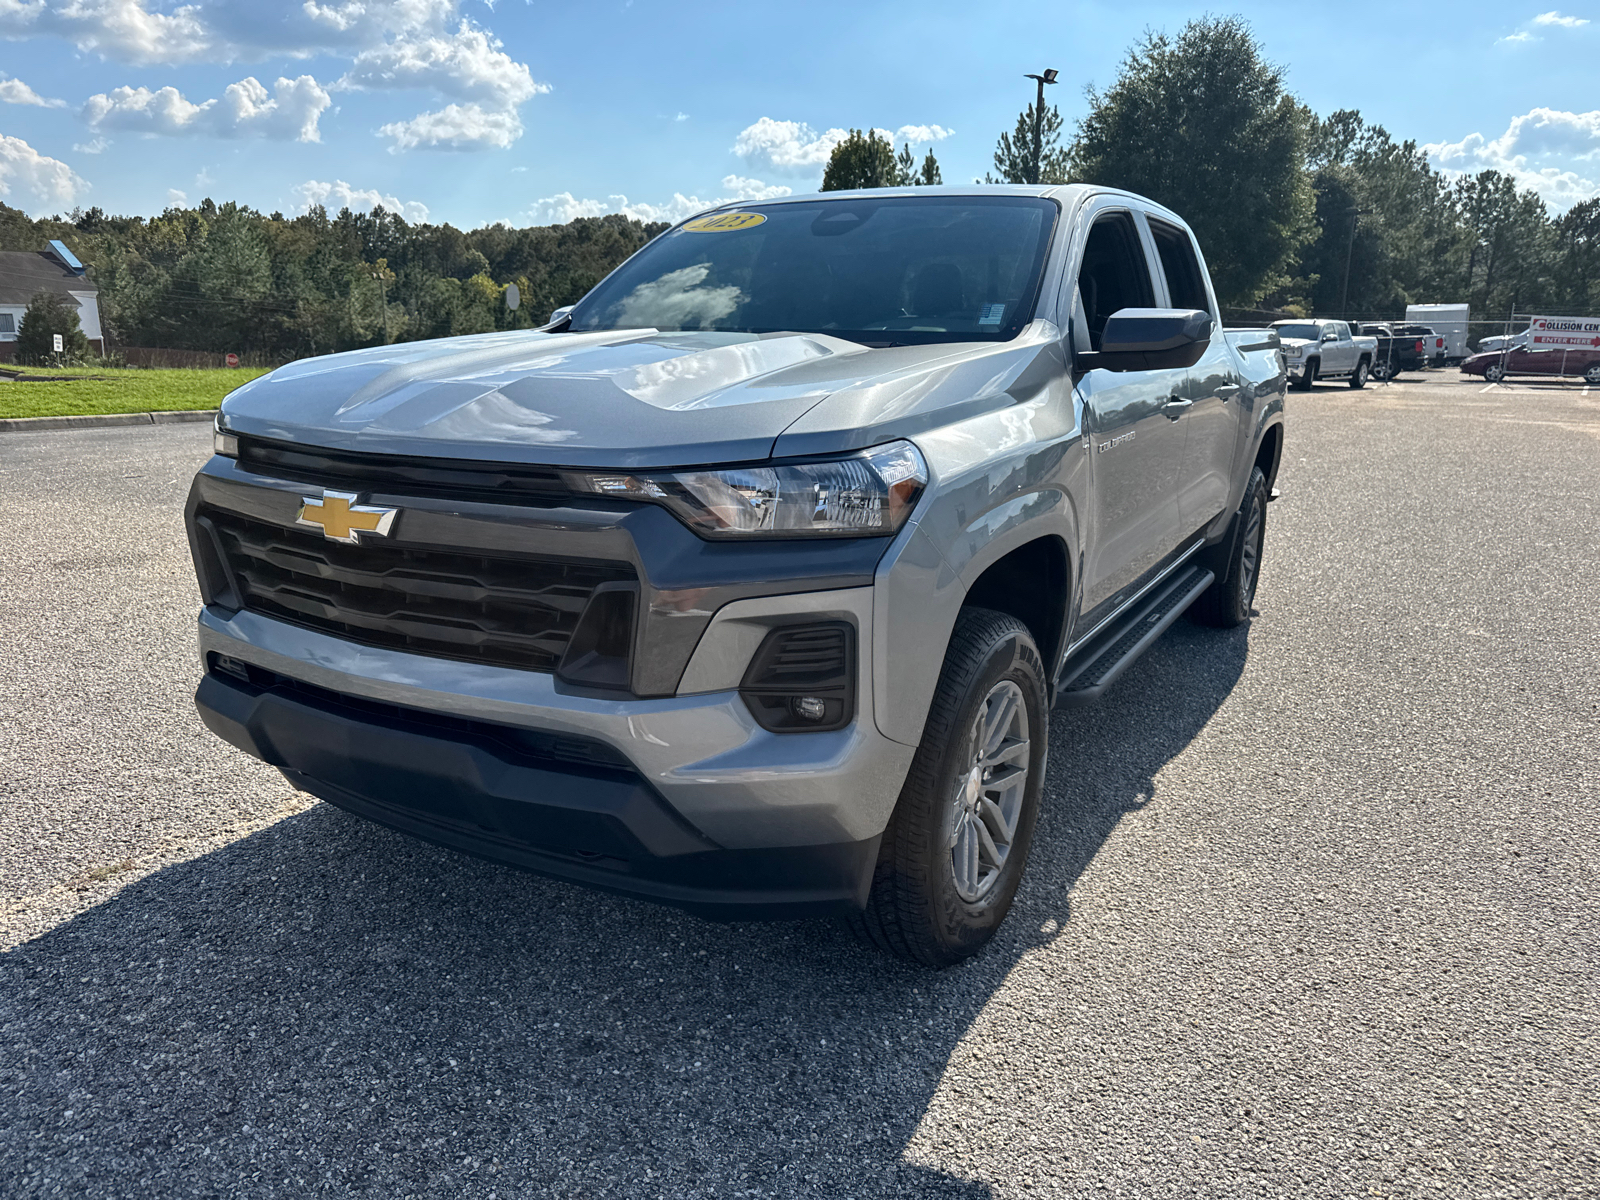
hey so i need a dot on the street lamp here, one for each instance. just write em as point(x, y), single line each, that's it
point(1038, 125)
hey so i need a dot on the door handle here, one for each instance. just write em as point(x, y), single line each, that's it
point(1175, 408)
point(1228, 391)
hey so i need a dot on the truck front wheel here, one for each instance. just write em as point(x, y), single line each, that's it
point(955, 848)
point(1306, 380)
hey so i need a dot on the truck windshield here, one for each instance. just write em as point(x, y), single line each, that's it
point(902, 270)
point(1309, 332)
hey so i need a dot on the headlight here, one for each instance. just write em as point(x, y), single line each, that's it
point(1292, 351)
point(223, 442)
point(869, 494)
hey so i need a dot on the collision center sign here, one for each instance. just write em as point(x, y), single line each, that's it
point(1565, 331)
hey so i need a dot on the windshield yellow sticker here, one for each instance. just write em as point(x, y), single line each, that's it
point(724, 222)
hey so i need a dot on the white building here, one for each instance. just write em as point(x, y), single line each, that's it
point(25, 273)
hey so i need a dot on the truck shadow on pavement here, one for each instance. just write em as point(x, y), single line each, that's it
point(329, 1008)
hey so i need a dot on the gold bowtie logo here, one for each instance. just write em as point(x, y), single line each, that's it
point(341, 519)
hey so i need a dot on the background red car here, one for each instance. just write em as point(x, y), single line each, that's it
point(1559, 360)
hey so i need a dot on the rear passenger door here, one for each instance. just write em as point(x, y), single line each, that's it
point(1136, 444)
point(1211, 421)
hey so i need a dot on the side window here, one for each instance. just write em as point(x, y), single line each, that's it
point(1115, 273)
point(1185, 284)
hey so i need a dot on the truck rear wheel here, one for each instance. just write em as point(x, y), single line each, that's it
point(1228, 601)
point(956, 846)
point(1358, 378)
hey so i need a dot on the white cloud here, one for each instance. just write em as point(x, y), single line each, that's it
point(739, 188)
point(455, 127)
point(48, 179)
point(339, 194)
point(917, 134)
point(683, 116)
point(468, 65)
point(793, 147)
point(789, 146)
point(246, 109)
point(1516, 39)
point(14, 91)
point(390, 45)
point(177, 198)
point(564, 207)
point(92, 146)
point(1555, 153)
point(1555, 18)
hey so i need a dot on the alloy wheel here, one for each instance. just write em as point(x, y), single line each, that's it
point(987, 796)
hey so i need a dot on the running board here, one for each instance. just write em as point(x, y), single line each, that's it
point(1098, 665)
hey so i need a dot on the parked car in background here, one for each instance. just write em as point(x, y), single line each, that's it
point(1564, 361)
point(1502, 341)
point(1316, 349)
point(1432, 342)
point(1448, 321)
point(1396, 352)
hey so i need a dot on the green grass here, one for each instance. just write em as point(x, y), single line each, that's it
point(119, 391)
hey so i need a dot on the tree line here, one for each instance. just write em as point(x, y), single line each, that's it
point(1296, 213)
point(228, 278)
point(1302, 214)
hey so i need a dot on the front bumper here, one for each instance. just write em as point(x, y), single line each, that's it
point(559, 807)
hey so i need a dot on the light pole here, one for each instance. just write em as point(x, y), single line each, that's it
point(1038, 126)
point(1344, 299)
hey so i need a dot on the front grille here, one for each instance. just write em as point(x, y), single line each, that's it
point(508, 611)
point(361, 471)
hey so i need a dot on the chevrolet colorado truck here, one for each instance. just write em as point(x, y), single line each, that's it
point(1321, 349)
point(748, 585)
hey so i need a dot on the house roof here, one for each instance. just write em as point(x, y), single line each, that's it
point(25, 272)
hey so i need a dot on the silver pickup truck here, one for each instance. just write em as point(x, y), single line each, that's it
point(1323, 349)
point(749, 584)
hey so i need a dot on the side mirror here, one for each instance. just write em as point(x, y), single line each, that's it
point(1330, 336)
point(560, 315)
point(1150, 339)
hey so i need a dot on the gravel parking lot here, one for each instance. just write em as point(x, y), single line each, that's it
point(1311, 911)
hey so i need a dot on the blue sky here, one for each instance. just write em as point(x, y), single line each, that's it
point(533, 111)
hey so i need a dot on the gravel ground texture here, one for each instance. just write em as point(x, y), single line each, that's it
point(1311, 911)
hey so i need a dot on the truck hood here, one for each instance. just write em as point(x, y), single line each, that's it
point(1289, 343)
point(622, 399)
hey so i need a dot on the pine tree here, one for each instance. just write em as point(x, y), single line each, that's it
point(930, 176)
point(48, 314)
point(862, 160)
point(1013, 154)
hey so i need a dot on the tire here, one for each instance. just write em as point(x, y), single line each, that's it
point(923, 906)
point(1592, 375)
point(1305, 381)
point(1383, 371)
point(1494, 372)
point(1358, 378)
point(1227, 602)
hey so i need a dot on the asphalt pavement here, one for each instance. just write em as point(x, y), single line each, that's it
point(1311, 910)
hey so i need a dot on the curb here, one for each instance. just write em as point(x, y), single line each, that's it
point(106, 421)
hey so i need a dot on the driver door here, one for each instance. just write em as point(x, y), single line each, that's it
point(1131, 421)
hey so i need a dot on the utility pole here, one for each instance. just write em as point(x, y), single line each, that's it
point(1037, 170)
point(1354, 214)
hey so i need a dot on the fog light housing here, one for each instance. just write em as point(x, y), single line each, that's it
point(803, 678)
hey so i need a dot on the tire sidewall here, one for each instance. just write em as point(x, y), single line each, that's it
point(961, 926)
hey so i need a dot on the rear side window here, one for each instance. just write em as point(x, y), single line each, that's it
point(1185, 284)
point(1115, 273)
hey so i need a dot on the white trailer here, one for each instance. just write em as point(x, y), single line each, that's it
point(1448, 321)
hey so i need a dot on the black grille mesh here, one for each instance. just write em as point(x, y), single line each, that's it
point(502, 610)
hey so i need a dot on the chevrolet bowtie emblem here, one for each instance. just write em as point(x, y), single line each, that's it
point(341, 519)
